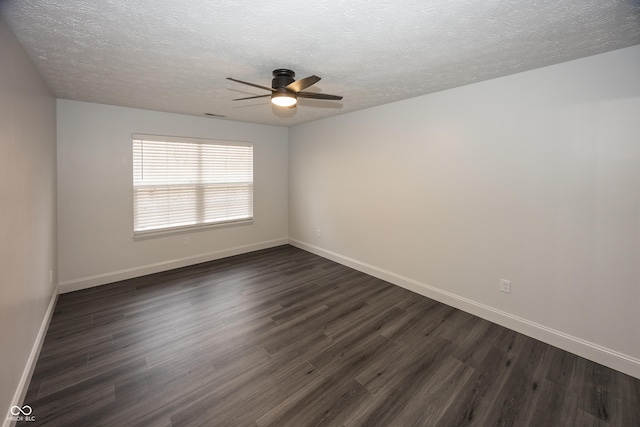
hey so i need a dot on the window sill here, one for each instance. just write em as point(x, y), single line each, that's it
point(143, 235)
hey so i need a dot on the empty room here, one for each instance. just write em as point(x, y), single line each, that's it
point(330, 213)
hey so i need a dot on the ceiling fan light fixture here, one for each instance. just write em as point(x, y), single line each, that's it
point(283, 99)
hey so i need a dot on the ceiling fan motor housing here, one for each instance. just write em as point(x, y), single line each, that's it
point(282, 78)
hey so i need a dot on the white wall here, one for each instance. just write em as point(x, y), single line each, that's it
point(533, 177)
point(27, 215)
point(95, 196)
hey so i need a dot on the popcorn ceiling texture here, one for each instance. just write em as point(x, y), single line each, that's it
point(174, 56)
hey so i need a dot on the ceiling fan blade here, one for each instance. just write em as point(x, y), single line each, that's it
point(251, 84)
point(302, 84)
point(318, 96)
point(250, 97)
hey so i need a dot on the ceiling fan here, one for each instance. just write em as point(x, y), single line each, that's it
point(285, 90)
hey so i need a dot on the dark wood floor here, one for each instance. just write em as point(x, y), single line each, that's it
point(281, 337)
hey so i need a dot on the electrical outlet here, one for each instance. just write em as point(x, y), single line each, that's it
point(50, 276)
point(187, 241)
point(505, 286)
point(318, 233)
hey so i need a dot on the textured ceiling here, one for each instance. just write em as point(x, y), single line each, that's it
point(174, 56)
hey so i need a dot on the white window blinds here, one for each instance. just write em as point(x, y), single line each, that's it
point(185, 183)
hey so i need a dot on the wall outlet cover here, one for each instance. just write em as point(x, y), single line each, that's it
point(505, 286)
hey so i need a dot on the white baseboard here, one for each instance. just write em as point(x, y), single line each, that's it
point(25, 379)
point(594, 352)
point(129, 273)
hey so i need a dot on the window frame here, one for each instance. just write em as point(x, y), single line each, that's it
point(157, 232)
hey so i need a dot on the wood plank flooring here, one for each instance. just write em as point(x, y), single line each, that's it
point(282, 337)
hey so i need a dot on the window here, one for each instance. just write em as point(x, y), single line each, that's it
point(185, 183)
